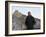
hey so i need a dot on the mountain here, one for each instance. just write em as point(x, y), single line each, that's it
point(18, 21)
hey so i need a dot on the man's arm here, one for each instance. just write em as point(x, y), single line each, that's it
point(26, 21)
point(34, 20)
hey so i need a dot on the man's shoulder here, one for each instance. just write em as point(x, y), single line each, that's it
point(32, 17)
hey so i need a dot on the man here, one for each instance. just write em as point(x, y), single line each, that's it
point(30, 21)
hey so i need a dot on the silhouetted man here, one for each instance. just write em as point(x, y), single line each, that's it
point(30, 21)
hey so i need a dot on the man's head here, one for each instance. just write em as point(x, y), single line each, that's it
point(29, 13)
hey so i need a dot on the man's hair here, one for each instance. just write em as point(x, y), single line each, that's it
point(29, 12)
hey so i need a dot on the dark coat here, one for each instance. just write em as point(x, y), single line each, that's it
point(30, 21)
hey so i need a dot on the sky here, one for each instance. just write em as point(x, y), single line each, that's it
point(35, 11)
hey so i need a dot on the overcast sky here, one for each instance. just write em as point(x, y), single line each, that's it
point(35, 11)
